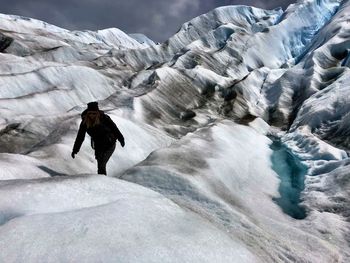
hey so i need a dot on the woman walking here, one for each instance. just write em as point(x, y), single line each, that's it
point(104, 133)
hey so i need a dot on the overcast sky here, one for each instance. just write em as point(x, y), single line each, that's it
point(158, 19)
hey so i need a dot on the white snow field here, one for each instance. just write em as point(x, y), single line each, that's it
point(237, 133)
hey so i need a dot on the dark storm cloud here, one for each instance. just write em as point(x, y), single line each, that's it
point(158, 19)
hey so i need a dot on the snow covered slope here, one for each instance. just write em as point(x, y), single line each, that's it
point(236, 129)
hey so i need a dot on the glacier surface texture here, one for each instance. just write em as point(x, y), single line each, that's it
point(237, 133)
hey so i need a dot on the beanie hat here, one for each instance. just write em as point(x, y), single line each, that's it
point(92, 106)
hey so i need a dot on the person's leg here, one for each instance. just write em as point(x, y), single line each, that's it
point(102, 159)
point(101, 167)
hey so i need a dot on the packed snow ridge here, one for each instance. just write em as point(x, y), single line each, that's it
point(237, 139)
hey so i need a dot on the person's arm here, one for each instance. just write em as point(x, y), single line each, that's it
point(115, 130)
point(79, 140)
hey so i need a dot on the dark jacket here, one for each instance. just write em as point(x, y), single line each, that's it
point(104, 135)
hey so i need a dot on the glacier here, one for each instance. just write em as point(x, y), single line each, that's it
point(236, 131)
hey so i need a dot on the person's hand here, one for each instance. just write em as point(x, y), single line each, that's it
point(73, 155)
point(122, 143)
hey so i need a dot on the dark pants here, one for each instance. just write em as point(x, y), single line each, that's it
point(102, 157)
